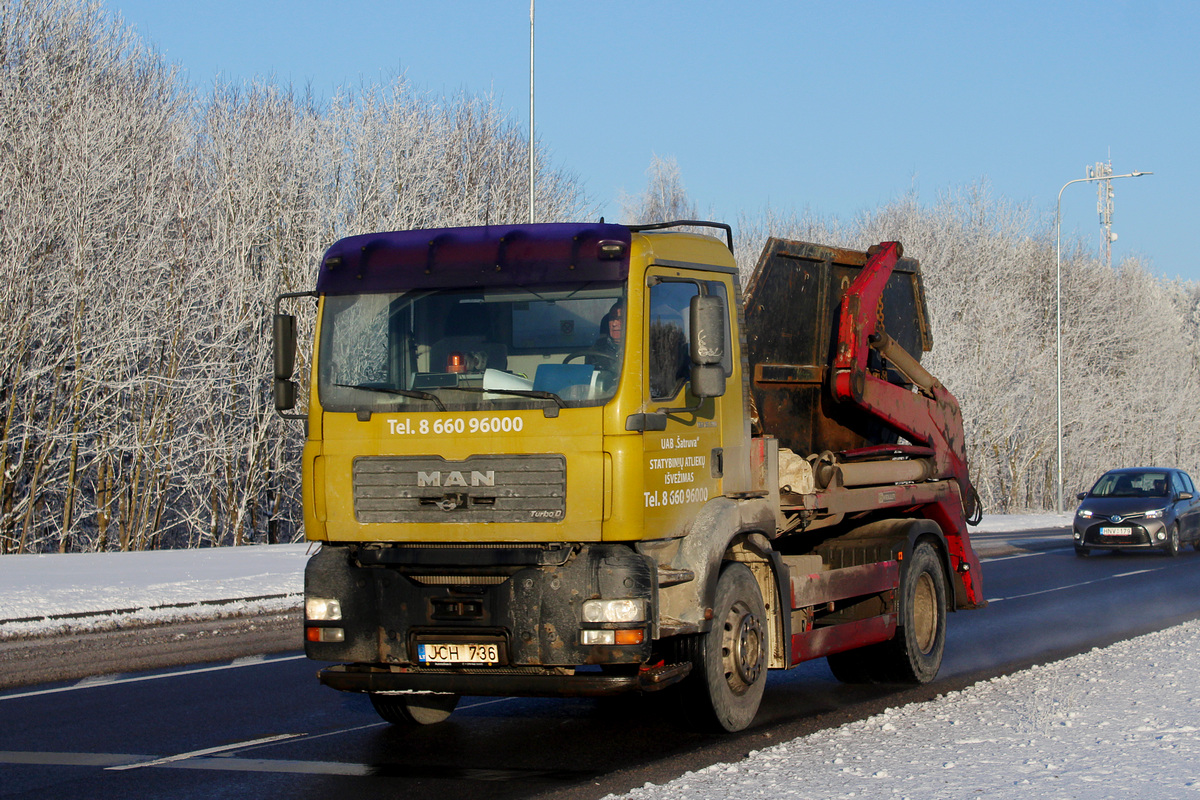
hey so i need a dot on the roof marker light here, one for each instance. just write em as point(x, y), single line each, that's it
point(610, 249)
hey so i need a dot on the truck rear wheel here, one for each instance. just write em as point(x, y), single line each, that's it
point(729, 669)
point(414, 709)
point(914, 655)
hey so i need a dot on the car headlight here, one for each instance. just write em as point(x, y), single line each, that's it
point(1084, 513)
point(322, 609)
point(628, 610)
point(1156, 513)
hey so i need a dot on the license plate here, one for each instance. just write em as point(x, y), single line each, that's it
point(1116, 532)
point(458, 653)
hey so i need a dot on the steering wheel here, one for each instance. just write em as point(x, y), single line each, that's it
point(608, 360)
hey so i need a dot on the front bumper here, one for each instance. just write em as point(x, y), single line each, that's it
point(526, 601)
point(527, 683)
point(1140, 534)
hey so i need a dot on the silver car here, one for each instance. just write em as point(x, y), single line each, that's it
point(1138, 508)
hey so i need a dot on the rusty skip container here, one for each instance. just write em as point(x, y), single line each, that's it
point(792, 304)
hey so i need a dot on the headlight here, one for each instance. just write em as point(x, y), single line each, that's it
point(322, 609)
point(628, 610)
point(1156, 513)
point(1083, 512)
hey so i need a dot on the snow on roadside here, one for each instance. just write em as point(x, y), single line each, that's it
point(994, 523)
point(45, 595)
point(1118, 722)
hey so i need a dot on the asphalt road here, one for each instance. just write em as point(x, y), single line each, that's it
point(262, 726)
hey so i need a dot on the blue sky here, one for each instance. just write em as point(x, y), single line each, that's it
point(833, 107)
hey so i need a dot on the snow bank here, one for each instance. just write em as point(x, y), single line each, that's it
point(1118, 722)
point(61, 593)
point(1013, 523)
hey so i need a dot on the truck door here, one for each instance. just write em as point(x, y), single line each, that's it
point(683, 463)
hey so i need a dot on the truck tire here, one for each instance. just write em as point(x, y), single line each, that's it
point(914, 655)
point(729, 663)
point(414, 709)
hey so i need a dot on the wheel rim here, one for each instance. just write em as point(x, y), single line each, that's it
point(742, 648)
point(925, 612)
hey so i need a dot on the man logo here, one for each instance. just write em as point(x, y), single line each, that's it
point(456, 478)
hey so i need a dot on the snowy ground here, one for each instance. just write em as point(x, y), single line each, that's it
point(1118, 722)
point(43, 595)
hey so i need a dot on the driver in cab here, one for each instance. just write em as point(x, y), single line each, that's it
point(609, 342)
point(605, 354)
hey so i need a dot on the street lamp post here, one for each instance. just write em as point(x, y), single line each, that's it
point(532, 170)
point(1058, 310)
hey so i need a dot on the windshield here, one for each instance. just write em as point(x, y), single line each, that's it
point(1132, 484)
point(468, 349)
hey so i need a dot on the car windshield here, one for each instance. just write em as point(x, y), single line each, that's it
point(1132, 484)
point(471, 349)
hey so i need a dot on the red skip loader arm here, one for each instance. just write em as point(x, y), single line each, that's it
point(930, 417)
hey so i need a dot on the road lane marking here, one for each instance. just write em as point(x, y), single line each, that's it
point(1026, 555)
point(208, 751)
point(92, 683)
point(120, 761)
point(487, 703)
point(67, 759)
point(1073, 585)
point(405, 771)
point(269, 765)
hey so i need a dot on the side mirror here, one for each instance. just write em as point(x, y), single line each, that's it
point(1185, 495)
point(284, 330)
point(707, 319)
point(1081, 495)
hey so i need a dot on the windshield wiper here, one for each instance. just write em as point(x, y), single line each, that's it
point(413, 393)
point(536, 393)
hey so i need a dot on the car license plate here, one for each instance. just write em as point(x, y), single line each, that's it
point(1116, 532)
point(458, 653)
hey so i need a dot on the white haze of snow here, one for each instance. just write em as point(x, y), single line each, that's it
point(1117, 722)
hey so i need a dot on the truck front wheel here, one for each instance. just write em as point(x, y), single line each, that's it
point(730, 661)
point(414, 709)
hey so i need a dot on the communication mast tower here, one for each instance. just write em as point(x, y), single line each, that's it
point(1104, 204)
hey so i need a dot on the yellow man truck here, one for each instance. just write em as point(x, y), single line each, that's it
point(576, 459)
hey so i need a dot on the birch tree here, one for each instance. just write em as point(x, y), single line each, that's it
point(144, 233)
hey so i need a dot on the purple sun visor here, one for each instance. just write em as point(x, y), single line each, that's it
point(492, 255)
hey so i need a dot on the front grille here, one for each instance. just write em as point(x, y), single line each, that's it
point(484, 488)
point(459, 580)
